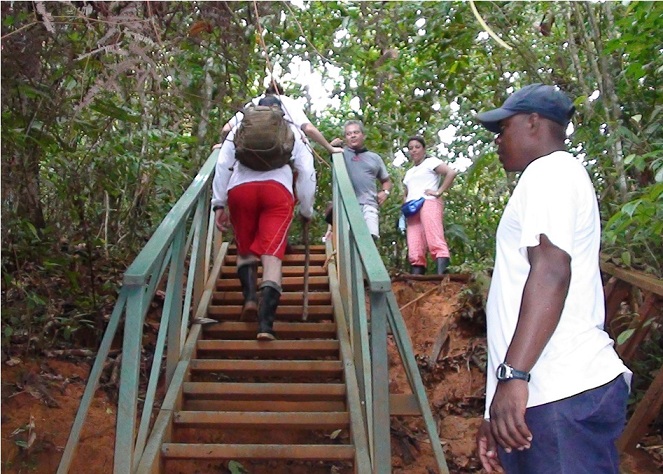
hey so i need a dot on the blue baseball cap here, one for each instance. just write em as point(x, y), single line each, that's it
point(547, 101)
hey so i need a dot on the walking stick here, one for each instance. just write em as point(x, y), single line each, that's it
point(305, 229)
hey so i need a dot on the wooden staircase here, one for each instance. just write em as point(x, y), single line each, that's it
point(272, 406)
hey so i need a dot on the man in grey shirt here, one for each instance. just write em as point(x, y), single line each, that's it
point(365, 168)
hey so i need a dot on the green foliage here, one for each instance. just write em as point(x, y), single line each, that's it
point(634, 235)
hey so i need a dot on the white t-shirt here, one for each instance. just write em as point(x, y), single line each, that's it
point(554, 196)
point(230, 173)
point(422, 177)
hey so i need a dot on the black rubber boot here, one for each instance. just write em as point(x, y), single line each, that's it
point(417, 270)
point(442, 264)
point(270, 296)
point(248, 277)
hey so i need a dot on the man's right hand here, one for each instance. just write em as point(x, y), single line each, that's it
point(337, 142)
point(222, 219)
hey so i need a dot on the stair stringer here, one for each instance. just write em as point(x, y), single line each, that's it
point(357, 422)
point(150, 462)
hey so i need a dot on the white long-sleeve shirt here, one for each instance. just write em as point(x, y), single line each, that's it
point(231, 173)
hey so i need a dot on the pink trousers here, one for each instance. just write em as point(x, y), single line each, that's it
point(426, 232)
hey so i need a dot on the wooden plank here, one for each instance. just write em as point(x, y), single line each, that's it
point(287, 297)
point(641, 324)
point(319, 248)
point(289, 271)
point(317, 312)
point(648, 408)
point(255, 405)
point(287, 283)
point(639, 279)
point(263, 420)
point(285, 330)
point(288, 259)
point(616, 291)
point(294, 249)
point(459, 277)
point(308, 452)
point(269, 367)
point(278, 348)
point(266, 391)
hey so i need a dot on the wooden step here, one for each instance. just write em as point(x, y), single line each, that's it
point(263, 420)
point(314, 270)
point(295, 249)
point(256, 405)
point(287, 283)
point(268, 367)
point(287, 297)
point(278, 348)
point(287, 312)
point(288, 260)
point(265, 391)
point(323, 452)
point(285, 330)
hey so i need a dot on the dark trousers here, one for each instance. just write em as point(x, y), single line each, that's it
point(576, 435)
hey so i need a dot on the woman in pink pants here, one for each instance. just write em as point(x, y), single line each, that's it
point(425, 231)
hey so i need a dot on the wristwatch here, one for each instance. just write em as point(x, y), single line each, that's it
point(506, 372)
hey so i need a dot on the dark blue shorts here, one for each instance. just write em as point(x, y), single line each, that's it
point(576, 435)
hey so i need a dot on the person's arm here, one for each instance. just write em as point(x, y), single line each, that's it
point(222, 174)
point(306, 180)
point(232, 123)
point(314, 134)
point(385, 191)
point(540, 310)
point(449, 175)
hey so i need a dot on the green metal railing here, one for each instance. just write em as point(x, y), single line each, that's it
point(362, 271)
point(184, 238)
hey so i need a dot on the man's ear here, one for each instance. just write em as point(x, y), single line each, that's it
point(534, 122)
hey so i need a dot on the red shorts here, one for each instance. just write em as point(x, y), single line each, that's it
point(261, 213)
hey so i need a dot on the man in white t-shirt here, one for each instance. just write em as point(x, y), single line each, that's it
point(556, 389)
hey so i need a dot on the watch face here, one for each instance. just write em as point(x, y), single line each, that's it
point(504, 372)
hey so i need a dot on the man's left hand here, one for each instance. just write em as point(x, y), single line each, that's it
point(507, 415)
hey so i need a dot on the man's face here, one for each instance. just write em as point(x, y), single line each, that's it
point(511, 142)
point(354, 138)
